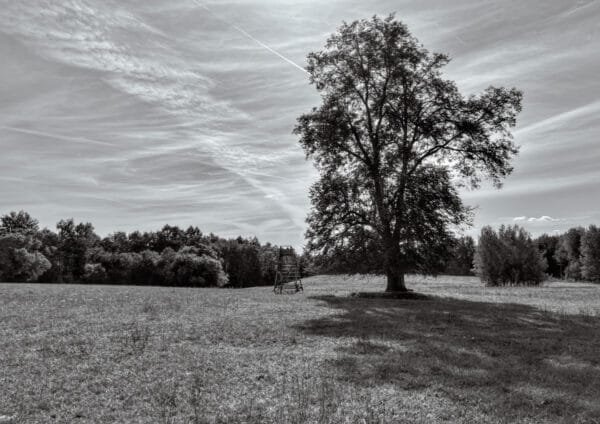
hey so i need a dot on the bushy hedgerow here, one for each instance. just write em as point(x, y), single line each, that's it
point(508, 257)
point(170, 256)
point(188, 267)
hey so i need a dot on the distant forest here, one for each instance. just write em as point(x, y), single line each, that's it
point(507, 256)
point(173, 256)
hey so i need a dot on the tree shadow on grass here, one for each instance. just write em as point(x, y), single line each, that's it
point(509, 361)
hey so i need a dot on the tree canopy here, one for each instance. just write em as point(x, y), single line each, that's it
point(392, 140)
point(18, 222)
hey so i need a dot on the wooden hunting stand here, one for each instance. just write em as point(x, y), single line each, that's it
point(287, 277)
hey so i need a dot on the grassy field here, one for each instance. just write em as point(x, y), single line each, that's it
point(470, 354)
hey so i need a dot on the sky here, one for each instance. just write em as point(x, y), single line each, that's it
point(135, 113)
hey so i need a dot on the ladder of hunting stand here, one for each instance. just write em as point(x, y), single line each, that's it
point(287, 277)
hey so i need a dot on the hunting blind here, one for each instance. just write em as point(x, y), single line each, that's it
point(287, 277)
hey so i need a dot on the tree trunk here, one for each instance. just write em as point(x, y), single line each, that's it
point(395, 281)
point(394, 272)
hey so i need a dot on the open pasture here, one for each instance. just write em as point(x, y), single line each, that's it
point(92, 354)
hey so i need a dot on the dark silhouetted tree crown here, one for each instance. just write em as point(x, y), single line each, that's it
point(393, 139)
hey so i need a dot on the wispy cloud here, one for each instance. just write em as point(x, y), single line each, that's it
point(559, 120)
point(543, 218)
point(131, 114)
point(134, 57)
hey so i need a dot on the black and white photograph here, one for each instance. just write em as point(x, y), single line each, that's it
point(300, 211)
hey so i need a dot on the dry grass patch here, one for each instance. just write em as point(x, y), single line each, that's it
point(94, 354)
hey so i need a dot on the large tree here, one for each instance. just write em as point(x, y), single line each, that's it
point(392, 141)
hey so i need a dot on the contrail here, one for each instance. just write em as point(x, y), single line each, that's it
point(249, 36)
point(460, 40)
point(56, 136)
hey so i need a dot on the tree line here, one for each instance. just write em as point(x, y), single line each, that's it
point(511, 256)
point(172, 256)
point(506, 256)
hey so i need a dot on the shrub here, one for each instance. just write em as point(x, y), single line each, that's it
point(508, 256)
point(20, 259)
point(590, 254)
point(94, 273)
point(28, 266)
point(188, 269)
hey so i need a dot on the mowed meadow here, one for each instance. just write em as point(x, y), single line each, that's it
point(93, 354)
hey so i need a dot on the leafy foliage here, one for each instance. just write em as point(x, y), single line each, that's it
point(20, 256)
point(548, 247)
point(568, 253)
point(187, 268)
point(462, 254)
point(508, 257)
point(18, 222)
point(590, 254)
point(242, 261)
point(73, 242)
point(171, 256)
